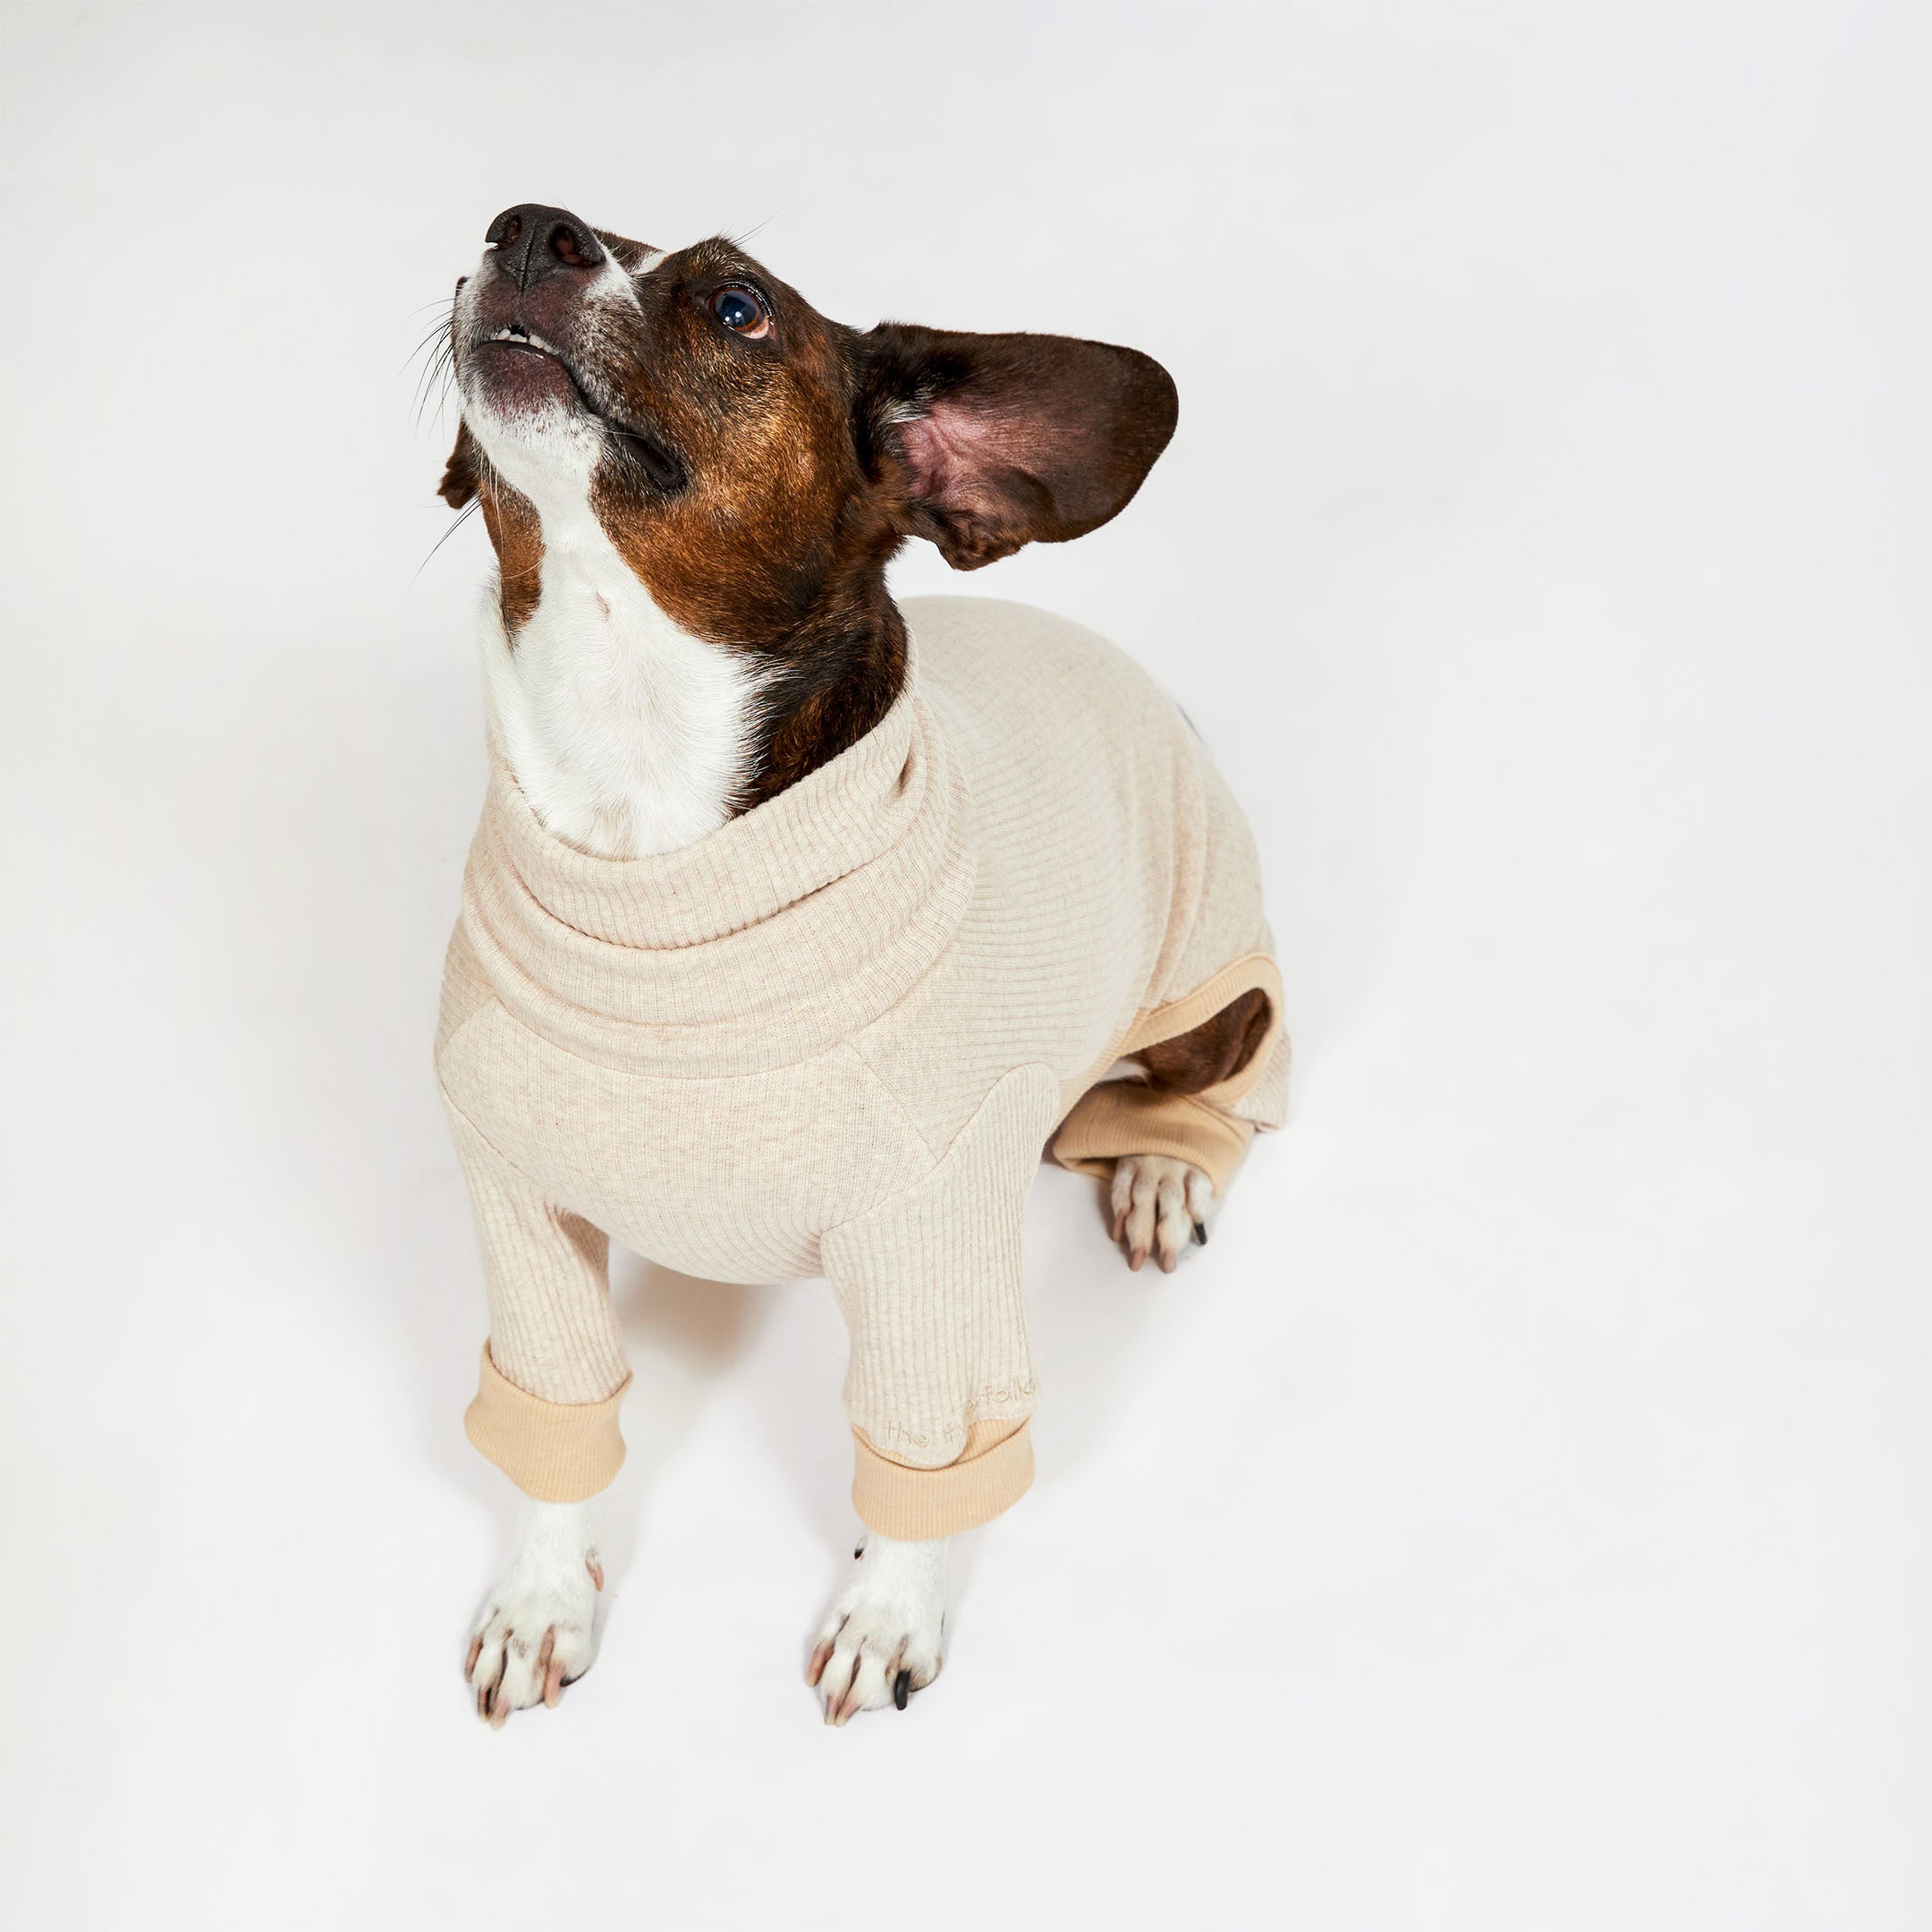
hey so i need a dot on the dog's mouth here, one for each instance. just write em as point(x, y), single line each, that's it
point(517, 337)
point(636, 445)
point(518, 370)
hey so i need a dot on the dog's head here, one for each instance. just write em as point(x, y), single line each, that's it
point(752, 462)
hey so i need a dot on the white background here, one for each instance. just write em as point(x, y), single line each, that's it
point(1518, 1518)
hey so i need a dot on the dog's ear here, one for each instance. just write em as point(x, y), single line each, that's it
point(1000, 441)
point(462, 474)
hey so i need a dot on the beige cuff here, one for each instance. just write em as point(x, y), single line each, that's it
point(556, 1452)
point(915, 1506)
point(1124, 1117)
point(1252, 973)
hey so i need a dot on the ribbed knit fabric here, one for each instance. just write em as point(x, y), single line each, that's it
point(836, 1035)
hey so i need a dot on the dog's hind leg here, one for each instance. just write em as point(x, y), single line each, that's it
point(1215, 1050)
point(1158, 1205)
point(1159, 1199)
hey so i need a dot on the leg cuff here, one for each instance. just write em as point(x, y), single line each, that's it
point(915, 1506)
point(556, 1452)
point(1124, 1117)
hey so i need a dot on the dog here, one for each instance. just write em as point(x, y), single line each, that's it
point(798, 924)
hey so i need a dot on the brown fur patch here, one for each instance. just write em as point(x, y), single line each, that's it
point(1215, 1050)
point(516, 531)
point(464, 472)
point(776, 545)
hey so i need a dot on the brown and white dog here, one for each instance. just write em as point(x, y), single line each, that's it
point(693, 482)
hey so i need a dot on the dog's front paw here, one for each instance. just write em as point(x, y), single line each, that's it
point(882, 1640)
point(1159, 1204)
point(537, 1628)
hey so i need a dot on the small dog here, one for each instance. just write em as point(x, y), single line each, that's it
point(797, 925)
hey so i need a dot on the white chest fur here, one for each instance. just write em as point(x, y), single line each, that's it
point(627, 735)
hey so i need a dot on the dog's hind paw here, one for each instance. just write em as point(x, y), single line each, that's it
point(1159, 1204)
point(881, 1639)
point(537, 1633)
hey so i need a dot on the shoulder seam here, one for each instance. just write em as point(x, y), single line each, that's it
point(879, 1081)
point(939, 1161)
point(515, 1167)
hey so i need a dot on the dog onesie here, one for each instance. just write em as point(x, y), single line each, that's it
point(836, 1035)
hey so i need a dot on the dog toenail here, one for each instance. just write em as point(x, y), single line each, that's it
point(1201, 1234)
point(901, 1685)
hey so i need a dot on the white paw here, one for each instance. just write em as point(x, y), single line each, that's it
point(882, 1640)
point(1159, 1204)
point(537, 1633)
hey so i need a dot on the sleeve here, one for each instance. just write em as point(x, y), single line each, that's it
point(1211, 1129)
point(931, 1284)
point(553, 1371)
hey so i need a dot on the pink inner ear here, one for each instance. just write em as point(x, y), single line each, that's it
point(954, 452)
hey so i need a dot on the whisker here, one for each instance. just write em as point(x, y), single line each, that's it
point(441, 329)
point(434, 381)
point(462, 517)
point(425, 350)
point(739, 241)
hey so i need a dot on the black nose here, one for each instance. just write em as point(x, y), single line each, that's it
point(533, 241)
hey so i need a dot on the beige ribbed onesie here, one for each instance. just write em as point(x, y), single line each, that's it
point(834, 1036)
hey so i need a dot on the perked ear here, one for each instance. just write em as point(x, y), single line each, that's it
point(1007, 440)
point(462, 474)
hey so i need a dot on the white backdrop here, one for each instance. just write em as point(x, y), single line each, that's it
point(1519, 1517)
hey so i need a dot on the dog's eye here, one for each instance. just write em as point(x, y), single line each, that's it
point(742, 312)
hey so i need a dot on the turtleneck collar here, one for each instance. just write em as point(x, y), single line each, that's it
point(787, 929)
